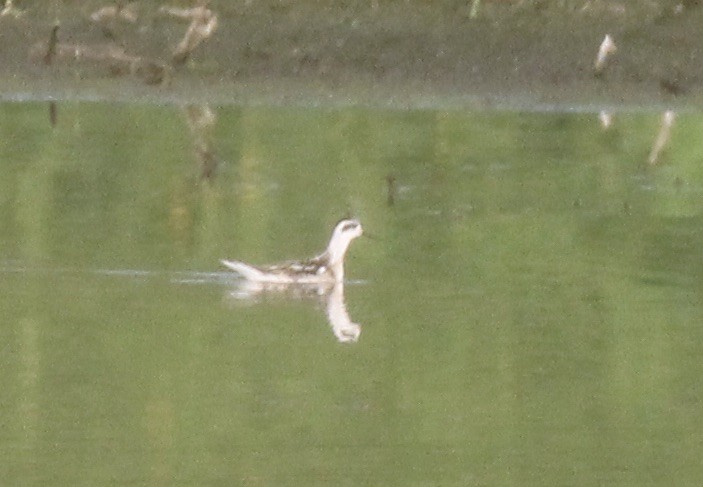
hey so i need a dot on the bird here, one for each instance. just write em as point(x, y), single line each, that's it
point(325, 268)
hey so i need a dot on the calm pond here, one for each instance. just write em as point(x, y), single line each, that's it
point(528, 311)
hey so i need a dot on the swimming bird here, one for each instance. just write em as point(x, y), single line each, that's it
point(328, 267)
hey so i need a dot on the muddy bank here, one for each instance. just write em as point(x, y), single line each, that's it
point(402, 53)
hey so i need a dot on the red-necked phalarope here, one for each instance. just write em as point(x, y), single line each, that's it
point(328, 267)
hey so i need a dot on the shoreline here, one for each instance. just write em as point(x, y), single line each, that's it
point(390, 57)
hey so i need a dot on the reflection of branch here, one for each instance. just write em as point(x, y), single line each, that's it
point(200, 120)
point(203, 23)
point(53, 115)
point(342, 326)
point(663, 136)
point(606, 119)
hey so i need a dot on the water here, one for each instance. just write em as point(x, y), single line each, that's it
point(528, 313)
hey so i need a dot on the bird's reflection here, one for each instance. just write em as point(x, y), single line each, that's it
point(343, 327)
point(331, 295)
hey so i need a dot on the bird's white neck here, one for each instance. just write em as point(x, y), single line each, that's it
point(336, 250)
point(344, 233)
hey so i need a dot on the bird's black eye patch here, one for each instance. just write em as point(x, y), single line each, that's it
point(349, 226)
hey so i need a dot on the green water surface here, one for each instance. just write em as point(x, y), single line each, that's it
point(529, 309)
